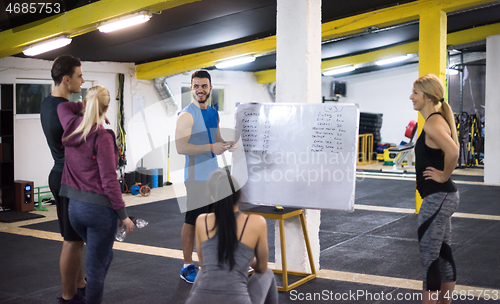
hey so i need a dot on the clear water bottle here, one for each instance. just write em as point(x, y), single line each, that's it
point(122, 231)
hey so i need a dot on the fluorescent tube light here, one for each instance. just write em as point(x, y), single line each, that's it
point(339, 70)
point(123, 22)
point(234, 61)
point(47, 45)
point(452, 72)
point(391, 60)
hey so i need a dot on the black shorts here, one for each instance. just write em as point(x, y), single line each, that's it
point(197, 195)
point(62, 203)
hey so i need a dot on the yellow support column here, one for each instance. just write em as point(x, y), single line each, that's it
point(432, 55)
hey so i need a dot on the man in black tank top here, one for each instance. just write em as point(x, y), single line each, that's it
point(67, 75)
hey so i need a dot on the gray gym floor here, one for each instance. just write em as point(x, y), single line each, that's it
point(371, 250)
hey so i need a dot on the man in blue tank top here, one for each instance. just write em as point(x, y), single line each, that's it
point(197, 136)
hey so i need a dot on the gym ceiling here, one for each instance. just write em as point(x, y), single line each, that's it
point(183, 35)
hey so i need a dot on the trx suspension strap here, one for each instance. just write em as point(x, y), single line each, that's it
point(121, 123)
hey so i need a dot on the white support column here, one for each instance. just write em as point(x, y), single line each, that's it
point(492, 112)
point(298, 80)
point(298, 51)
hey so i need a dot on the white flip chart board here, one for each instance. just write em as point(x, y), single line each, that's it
point(298, 155)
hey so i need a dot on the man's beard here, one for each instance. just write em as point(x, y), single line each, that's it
point(201, 101)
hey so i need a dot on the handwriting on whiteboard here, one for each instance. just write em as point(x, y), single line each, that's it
point(256, 131)
point(328, 130)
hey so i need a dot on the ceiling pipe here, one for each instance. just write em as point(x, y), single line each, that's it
point(166, 94)
point(473, 8)
point(370, 30)
point(271, 88)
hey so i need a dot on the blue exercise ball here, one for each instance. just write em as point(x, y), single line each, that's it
point(135, 189)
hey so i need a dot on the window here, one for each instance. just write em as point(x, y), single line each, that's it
point(186, 96)
point(31, 92)
point(29, 97)
point(217, 100)
point(78, 97)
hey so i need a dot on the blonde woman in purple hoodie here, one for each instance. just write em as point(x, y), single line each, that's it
point(90, 181)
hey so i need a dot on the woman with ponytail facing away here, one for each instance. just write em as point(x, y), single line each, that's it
point(436, 153)
point(227, 243)
point(89, 180)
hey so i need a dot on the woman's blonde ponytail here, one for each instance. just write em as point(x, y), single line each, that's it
point(97, 100)
point(447, 113)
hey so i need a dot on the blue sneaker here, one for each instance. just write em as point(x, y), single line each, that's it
point(188, 273)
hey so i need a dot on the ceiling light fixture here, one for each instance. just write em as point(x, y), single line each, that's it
point(234, 61)
point(123, 22)
point(339, 70)
point(392, 60)
point(47, 45)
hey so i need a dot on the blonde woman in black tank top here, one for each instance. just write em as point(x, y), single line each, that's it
point(436, 154)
